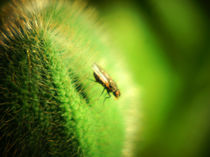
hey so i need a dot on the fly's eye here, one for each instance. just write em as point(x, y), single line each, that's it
point(117, 93)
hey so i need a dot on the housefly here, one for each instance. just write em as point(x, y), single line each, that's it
point(105, 80)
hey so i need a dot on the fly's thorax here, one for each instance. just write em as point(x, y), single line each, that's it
point(112, 85)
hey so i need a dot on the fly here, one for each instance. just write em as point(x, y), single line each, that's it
point(105, 80)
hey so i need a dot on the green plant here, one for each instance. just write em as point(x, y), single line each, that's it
point(48, 104)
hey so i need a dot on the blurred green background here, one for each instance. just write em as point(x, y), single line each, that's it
point(166, 44)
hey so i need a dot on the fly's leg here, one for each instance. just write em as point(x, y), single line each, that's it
point(102, 92)
point(107, 97)
point(92, 80)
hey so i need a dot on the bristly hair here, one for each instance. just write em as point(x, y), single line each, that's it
point(48, 105)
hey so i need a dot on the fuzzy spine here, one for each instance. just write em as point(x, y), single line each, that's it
point(48, 105)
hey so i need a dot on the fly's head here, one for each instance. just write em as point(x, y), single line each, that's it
point(117, 93)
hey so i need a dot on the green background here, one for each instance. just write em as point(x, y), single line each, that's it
point(166, 44)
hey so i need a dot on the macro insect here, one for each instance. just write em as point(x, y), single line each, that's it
point(106, 81)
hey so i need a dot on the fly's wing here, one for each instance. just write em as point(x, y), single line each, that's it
point(99, 72)
point(111, 82)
